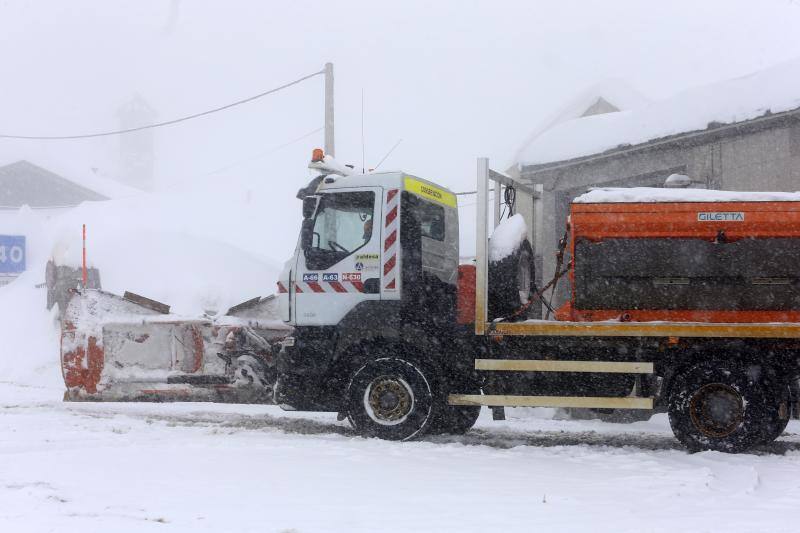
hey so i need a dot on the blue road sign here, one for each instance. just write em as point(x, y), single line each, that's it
point(12, 254)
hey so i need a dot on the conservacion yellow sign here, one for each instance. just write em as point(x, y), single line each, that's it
point(430, 192)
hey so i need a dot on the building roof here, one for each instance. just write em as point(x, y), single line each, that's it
point(23, 183)
point(608, 96)
point(766, 92)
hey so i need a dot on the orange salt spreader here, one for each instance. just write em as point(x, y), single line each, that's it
point(717, 261)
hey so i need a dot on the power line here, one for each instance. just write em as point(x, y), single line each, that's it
point(264, 154)
point(229, 166)
point(164, 123)
point(489, 199)
point(388, 153)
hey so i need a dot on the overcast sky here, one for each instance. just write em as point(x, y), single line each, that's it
point(454, 80)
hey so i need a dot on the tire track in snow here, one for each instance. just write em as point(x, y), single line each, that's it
point(500, 438)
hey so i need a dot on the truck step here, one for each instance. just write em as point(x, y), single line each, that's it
point(596, 402)
point(539, 365)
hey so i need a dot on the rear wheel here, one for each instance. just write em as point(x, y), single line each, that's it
point(776, 425)
point(390, 398)
point(723, 407)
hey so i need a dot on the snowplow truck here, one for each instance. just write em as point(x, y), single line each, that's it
point(687, 304)
point(680, 301)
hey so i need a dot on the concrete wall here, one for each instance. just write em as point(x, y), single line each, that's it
point(767, 159)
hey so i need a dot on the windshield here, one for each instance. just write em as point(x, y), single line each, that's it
point(342, 225)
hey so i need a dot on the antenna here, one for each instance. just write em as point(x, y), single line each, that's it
point(363, 149)
point(329, 147)
point(388, 153)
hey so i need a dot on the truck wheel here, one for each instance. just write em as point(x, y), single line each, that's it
point(779, 419)
point(390, 398)
point(777, 430)
point(724, 408)
point(511, 282)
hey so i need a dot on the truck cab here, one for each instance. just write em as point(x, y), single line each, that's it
point(376, 263)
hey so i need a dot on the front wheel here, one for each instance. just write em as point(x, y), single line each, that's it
point(390, 398)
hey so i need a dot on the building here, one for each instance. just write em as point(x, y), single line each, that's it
point(23, 183)
point(137, 149)
point(29, 196)
point(741, 134)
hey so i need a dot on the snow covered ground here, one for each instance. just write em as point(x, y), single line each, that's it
point(205, 467)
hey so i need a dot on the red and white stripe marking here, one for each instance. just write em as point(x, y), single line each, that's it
point(328, 287)
point(392, 231)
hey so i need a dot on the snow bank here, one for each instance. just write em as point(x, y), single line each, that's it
point(207, 246)
point(652, 194)
point(204, 249)
point(507, 237)
point(772, 90)
point(29, 334)
point(191, 273)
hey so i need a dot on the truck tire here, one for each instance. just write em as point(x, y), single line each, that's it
point(722, 406)
point(390, 398)
point(511, 282)
point(777, 430)
point(777, 423)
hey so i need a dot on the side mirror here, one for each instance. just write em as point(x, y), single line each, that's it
point(306, 231)
point(310, 206)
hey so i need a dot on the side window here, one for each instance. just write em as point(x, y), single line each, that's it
point(342, 225)
point(431, 219)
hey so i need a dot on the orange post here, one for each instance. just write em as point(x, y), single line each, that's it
point(85, 274)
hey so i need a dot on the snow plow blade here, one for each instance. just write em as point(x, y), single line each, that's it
point(132, 349)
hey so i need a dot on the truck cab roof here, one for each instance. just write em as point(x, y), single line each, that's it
point(394, 179)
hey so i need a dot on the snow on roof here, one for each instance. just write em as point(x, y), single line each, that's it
point(615, 92)
point(772, 90)
point(615, 195)
point(93, 183)
point(23, 183)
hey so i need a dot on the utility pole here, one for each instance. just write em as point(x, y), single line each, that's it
point(329, 148)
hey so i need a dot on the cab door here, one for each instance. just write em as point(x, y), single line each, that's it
point(337, 266)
